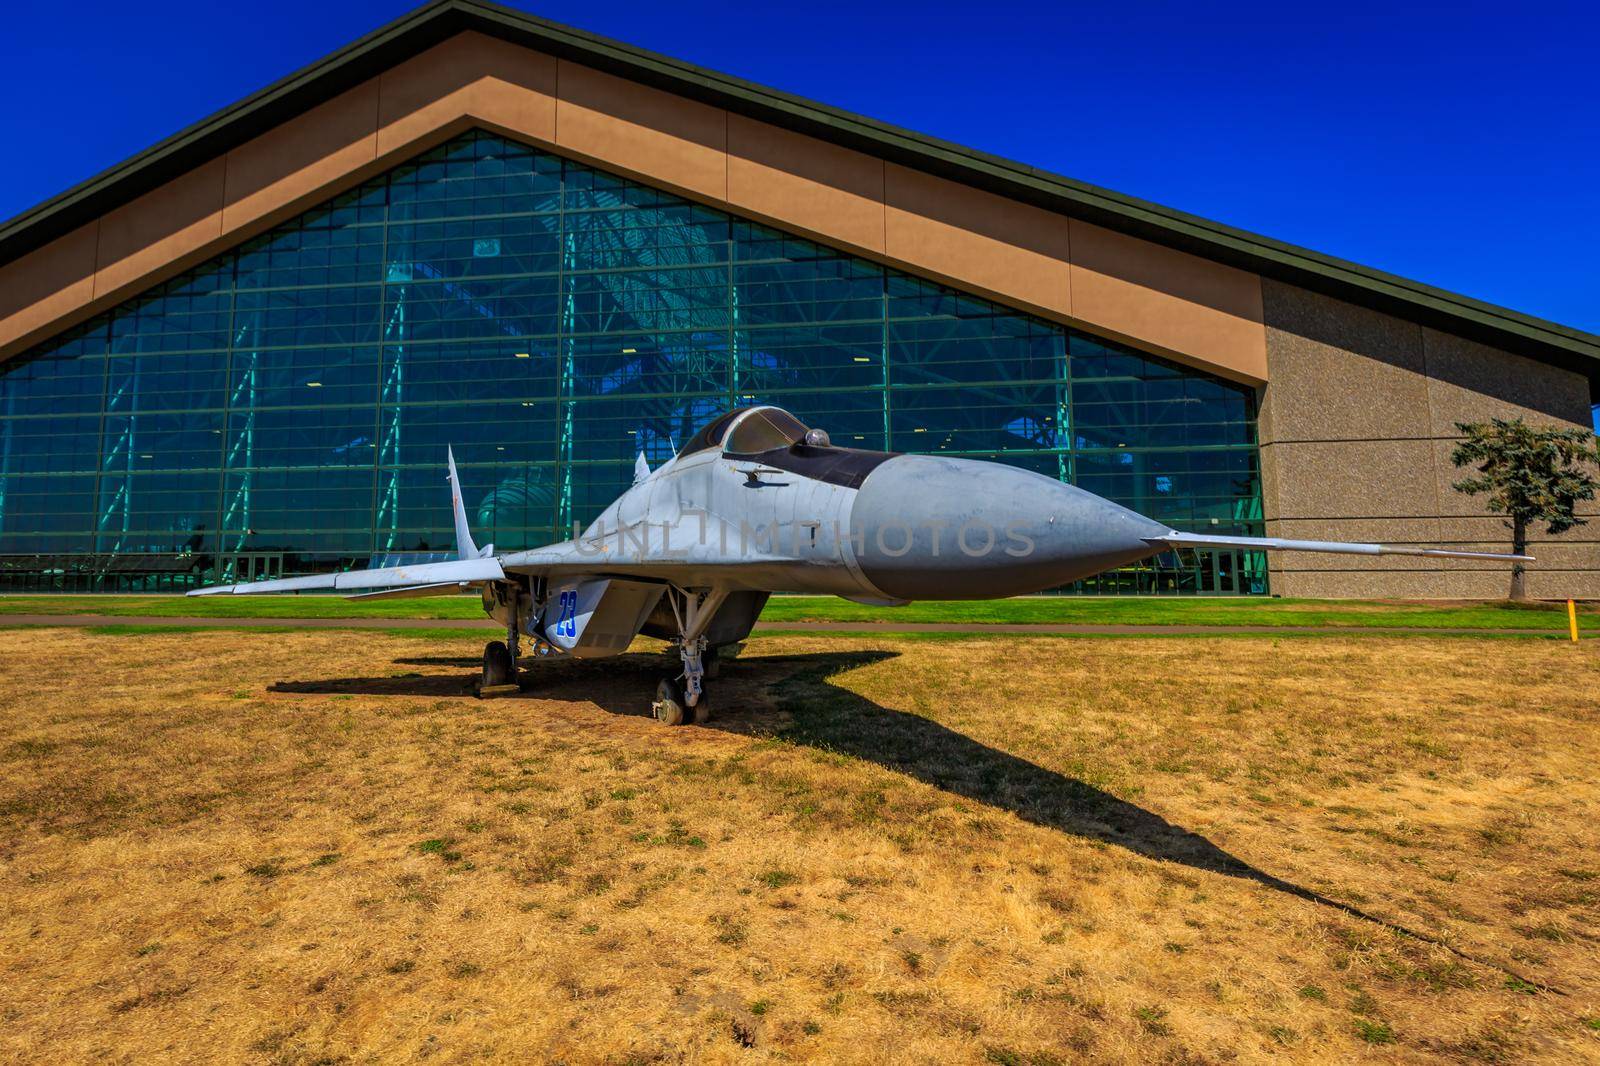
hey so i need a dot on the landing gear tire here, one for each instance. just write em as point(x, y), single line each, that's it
point(669, 706)
point(711, 659)
point(497, 668)
point(701, 711)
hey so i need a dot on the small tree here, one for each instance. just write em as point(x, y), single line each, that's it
point(1531, 473)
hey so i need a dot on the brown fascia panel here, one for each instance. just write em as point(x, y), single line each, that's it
point(1169, 302)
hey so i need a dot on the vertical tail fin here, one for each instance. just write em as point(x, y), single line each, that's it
point(465, 549)
point(641, 469)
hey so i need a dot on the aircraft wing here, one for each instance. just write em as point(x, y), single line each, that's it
point(452, 572)
point(1333, 547)
point(472, 565)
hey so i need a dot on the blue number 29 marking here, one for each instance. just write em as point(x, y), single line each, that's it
point(567, 621)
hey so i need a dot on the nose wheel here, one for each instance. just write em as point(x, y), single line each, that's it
point(671, 706)
point(683, 698)
point(668, 707)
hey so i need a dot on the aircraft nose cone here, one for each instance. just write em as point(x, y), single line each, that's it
point(929, 527)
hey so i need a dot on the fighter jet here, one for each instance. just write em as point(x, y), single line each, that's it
point(758, 502)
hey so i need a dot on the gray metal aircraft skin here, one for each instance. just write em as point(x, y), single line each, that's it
point(757, 502)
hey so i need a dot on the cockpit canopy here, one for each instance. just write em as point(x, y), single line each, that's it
point(763, 429)
point(752, 431)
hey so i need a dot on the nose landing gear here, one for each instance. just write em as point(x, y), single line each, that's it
point(672, 707)
point(683, 698)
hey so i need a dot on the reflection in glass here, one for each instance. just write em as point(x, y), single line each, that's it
point(286, 406)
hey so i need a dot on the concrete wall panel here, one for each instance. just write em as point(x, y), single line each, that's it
point(1342, 372)
point(1357, 427)
point(1424, 530)
point(1472, 382)
point(1355, 479)
point(978, 240)
point(677, 143)
point(516, 89)
point(1581, 584)
point(1201, 310)
point(1397, 584)
point(1485, 527)
point(160, 232)
point(1450, 585)
point(470, 76)
point(286, 169)
point(805, 185)
point(46, 285)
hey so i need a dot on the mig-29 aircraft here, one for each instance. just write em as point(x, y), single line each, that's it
point(758, 502)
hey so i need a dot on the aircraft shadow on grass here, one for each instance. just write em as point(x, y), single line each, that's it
point(791, 697)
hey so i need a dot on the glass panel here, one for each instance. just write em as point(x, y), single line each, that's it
point(996, 418)
point(286, 406)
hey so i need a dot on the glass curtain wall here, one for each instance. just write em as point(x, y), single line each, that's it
point(285, 408)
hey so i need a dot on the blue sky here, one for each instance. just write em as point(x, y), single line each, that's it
point(1459, 144)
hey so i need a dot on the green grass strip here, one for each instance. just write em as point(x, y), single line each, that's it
point(1038, 610)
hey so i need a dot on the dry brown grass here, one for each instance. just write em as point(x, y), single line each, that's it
point(891, 850)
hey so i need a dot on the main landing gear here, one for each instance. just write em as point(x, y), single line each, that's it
point(683, 698)
point(499, 668)
point(500, 658)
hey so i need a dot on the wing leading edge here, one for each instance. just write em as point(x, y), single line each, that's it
point(453, 572)
point(1176, 539)
point(472, 565)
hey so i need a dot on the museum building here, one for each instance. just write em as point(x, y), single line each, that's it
point(243, 352)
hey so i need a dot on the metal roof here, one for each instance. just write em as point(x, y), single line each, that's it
point(434, 22)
